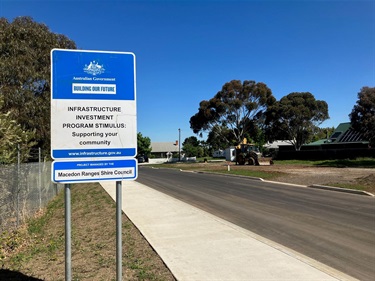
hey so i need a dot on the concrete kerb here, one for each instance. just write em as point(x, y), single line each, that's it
point(340, 189)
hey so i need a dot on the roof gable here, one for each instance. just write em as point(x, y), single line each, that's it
point(344, 133)
point(164, 147)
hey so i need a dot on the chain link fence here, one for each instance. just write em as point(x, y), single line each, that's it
point(25, 188)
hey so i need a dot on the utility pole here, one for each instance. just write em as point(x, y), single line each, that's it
point(179, 145)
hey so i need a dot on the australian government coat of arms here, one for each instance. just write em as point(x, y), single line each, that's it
point(94, 68)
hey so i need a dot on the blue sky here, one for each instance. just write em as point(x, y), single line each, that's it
point(187, 50)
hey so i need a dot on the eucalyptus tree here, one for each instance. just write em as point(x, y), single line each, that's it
point(237, 107)
point(295, 117)
point(25, 47)
point(362, 116)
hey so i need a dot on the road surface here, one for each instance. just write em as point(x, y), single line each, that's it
point(337, 229)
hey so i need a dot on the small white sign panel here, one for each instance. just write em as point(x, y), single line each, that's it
point(93, 171)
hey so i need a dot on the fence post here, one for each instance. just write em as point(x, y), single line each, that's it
point(40, 177)
point(18, 183)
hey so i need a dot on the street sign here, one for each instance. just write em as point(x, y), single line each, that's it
point(94, 171)
point(93, 115)
point(93, 104)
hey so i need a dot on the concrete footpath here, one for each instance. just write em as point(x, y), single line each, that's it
point(198, 246)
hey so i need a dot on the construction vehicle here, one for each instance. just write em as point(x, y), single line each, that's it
point(248, 153)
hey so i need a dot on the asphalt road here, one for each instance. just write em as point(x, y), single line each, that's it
point(337, 229)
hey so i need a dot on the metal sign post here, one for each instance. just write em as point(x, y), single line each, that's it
point(68, 235)
point(118, 230)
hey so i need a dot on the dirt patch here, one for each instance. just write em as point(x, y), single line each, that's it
point(364, 178)
point(327, 176)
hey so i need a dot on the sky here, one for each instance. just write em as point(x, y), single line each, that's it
point(187, 50)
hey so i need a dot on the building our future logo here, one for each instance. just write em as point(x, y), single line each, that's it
point(83, 88)
point(94, 69)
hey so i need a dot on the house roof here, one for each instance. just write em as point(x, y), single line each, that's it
point(164, 147)
point(342, 134)
point(318, 142)
point(276, 144)
point(345, 133)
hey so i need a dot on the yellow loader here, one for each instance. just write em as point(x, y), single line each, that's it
point(248, 153)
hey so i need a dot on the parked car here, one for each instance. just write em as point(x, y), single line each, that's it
point(142, 158)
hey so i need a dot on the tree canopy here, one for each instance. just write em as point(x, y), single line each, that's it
point(295, 117)
point(218, 138)
point(322, 133)
point(143, 145)
point(192, 147)
point(13, 139)
point(237, 107)
point(25, 47)
point(362, 116)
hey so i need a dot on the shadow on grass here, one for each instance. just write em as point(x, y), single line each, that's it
point(362, 163)
point(10, 275)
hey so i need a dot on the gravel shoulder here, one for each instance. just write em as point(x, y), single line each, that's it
point(327, 176)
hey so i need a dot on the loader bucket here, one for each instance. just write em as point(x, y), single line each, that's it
point(265, 161)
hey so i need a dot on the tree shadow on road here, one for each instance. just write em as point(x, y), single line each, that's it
point(10, 275)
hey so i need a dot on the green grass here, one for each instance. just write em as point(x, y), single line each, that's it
point(353, 163)
point(35, 233)
point(356, 186)
point(357, 163)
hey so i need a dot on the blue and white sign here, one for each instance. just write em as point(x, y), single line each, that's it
point(93, 171)
point(93, 104)
point(93, 116)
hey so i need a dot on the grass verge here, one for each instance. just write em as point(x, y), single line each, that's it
point(36, 251)
point(339, 163)
point(355, 186)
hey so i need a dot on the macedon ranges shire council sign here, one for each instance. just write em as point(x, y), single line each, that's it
point(93, 111)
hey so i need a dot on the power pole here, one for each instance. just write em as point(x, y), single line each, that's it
point(179, 145)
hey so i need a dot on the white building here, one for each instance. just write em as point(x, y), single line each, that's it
point(163, 149)
point(230, 154)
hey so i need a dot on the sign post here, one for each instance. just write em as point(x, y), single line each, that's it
point(68, 236)
point(93, 126)
point(118, 230)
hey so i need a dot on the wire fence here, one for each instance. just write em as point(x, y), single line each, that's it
point(25, 188)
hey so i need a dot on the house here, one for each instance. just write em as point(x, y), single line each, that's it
point(163, 149)
point(275, 144)
point(344, 143)
point(343, 136)
point(218, 153)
